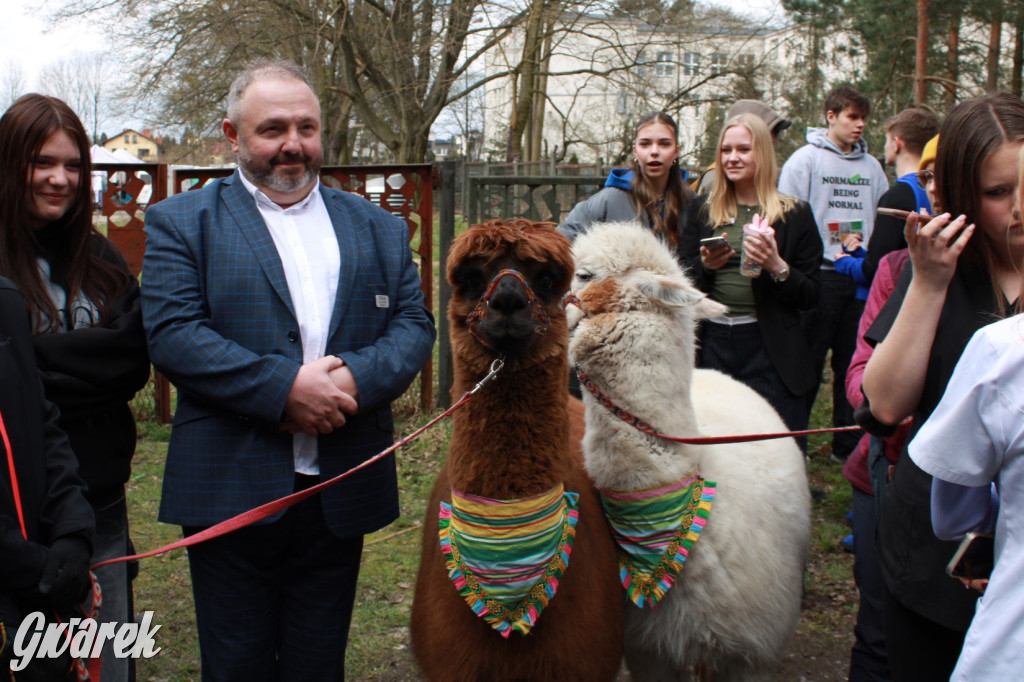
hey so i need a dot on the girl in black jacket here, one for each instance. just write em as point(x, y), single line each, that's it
point(46, 525)
point(86, 323)
point(759, 342)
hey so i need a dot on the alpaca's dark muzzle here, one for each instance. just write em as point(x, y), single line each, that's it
point(508, 314)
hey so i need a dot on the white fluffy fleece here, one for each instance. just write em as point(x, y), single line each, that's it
point(737, 599)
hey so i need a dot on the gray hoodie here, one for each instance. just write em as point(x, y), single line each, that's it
point(842, 189)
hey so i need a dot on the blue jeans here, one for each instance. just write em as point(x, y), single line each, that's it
point(112, 541)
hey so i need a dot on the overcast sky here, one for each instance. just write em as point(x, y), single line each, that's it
point(25, 41)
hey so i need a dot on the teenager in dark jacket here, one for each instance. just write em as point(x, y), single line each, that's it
point(46, 525)
point(964, 273)
point(85, 316)
point(759, 341)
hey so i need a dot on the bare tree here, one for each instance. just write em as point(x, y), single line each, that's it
point(464, 119)
point(389, 66)
point(12, 84)
point(992, 58)
point(81, 81)
point(581, 76)
point(526, 77)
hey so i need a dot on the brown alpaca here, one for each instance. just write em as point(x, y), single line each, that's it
point(512, 441)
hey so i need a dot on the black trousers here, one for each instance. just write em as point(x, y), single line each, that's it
point(738, 350)
point(920, 650)
point(869, 661)
point(832, 325)
point(274, 601)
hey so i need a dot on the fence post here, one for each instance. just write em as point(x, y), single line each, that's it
point(446, 227)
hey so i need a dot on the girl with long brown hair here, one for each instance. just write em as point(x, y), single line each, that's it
point(652, 190)
point(86, 321)
point(964, 274)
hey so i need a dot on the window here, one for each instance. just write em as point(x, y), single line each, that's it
point(745, 61)
point(664, 67)
point(719, 60)
point(691, 64)
point(621, 103)
point(641, 64)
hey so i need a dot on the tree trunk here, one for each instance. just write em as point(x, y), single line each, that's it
point(953, 61)
point(540, 101)
point(1018, 57)
point(994, 39)
point(528, 68)
point(921, 54)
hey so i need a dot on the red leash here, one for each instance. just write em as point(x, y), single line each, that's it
point(271, 508)
point(83, 671)
point(638, 423)
point(14, 477)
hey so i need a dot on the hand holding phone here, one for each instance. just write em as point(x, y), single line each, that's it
point(974, 558)
point(893, 212)
point(714, 243)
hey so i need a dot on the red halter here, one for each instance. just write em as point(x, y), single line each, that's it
point(480, 310)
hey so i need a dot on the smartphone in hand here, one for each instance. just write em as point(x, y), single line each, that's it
point(974, 558)
point(894, 212)
point(714, 243)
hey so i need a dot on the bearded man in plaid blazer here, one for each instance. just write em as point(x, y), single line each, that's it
point(288, 315)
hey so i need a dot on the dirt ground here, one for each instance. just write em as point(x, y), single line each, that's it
point(819, 651)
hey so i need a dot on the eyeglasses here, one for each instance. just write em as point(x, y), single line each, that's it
point(924, 177)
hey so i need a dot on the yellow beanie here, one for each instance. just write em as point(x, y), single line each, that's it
point(928, 153)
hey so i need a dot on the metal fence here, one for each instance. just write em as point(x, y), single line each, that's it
point(406, 191)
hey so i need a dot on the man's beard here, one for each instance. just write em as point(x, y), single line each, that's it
point(263, 174)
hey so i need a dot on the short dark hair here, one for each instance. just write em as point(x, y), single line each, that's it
point(915, 126)
point(845, 97)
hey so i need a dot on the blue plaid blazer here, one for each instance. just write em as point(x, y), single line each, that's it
point(221, 327)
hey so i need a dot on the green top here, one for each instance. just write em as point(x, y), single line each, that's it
point(731, 288)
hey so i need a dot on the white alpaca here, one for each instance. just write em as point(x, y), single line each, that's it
point(736, 600)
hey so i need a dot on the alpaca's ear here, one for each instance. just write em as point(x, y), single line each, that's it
point(673, 292)
point(707, 308)
point(668, 291)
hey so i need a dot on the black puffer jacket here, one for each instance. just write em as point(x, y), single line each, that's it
point(52, 500)
point(91, 374)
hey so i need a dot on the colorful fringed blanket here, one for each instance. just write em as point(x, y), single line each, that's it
point(506, 557)
point(655, 530)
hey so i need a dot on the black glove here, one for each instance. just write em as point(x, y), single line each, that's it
point(66, 574)
point(867, 420)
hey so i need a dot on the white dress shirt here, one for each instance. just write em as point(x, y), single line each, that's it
point(308, 248)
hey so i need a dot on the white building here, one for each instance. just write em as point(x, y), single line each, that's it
point(605, 73)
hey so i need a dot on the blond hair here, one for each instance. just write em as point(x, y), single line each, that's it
point(771, 204)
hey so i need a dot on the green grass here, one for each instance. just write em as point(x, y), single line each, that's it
point(378, 641)
point(379, 637)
